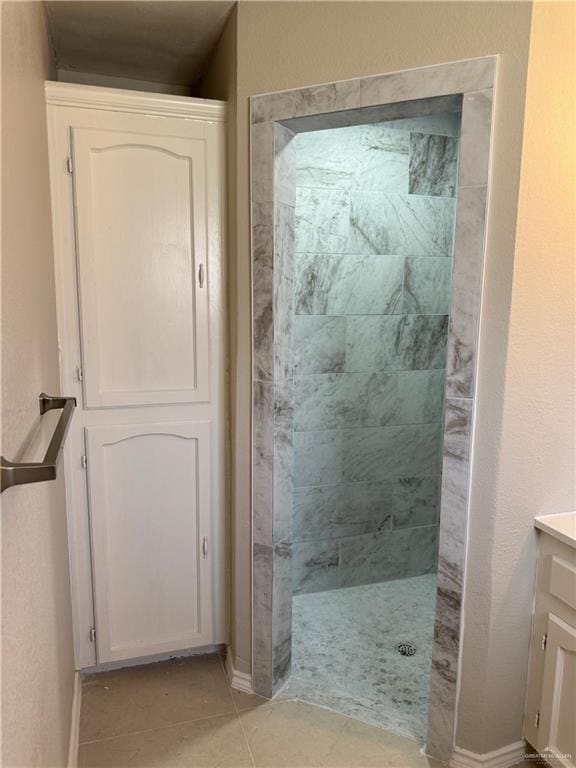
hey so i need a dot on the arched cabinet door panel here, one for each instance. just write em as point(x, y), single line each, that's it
point(149, 506)
point(140, 209)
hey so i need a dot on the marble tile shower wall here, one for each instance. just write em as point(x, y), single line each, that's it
point(375, 212)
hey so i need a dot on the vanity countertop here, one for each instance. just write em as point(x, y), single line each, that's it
point(562, 527)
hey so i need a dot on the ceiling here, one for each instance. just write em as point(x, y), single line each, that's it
point(164, 42)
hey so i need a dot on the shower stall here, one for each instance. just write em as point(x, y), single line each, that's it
point(368, 210)
point(374, 223)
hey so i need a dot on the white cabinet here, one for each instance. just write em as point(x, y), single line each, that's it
point(140, 204)
point(550, 722)
point(557, 728)
point(149, 500)
point(137, 185)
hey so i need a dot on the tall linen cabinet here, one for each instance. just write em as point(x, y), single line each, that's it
point(137, 185)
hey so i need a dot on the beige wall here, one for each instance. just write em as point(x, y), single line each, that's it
point(37, 653)
point(534, 467)
point(126, 83)
point(221, 83)
point(286, 45)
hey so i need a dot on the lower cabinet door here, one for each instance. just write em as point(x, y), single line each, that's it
point(150, 515)
point(557, 727)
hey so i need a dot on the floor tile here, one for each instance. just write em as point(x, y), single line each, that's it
point(253, 733)
point(292, 734)
point(362, 746)
point(153, 696)
point(216, 742)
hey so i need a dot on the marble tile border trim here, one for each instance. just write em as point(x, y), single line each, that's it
point(275, 119)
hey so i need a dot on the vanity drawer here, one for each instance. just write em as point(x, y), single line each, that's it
point(561, 580)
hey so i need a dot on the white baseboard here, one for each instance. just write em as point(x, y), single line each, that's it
point(499, 758)
point(75, 722)
point(240, 681)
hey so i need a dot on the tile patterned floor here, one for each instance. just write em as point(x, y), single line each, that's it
point(344, 652)
point(183, 713)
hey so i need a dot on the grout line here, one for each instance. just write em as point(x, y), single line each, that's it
point(246, 741)
point(371, 426)
point(159, 728)
point(338, 376)
point(376, 315)
point(473, 186)
point(238, 717)
point(387, 426)
point(403, 288)
point(371, 482)
point(346, 537)
point(384, 372)
point(377, 255)
point(354, 191)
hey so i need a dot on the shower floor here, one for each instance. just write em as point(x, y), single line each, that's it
point(344, 653)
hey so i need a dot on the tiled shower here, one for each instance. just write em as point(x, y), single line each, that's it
point(375, 209)
point(375, 213)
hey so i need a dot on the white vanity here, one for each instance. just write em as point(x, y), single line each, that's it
point(550, 721)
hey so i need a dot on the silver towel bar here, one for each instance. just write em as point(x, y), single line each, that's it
point(21, 473)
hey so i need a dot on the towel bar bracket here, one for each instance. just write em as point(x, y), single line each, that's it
point(22, 473)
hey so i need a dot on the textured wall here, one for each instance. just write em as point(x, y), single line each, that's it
point(294, 44)
point(532, 469)
point(374, 221)
point(221, 82)
point(37, 652)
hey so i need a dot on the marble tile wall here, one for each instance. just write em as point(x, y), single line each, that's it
point(432, 95)
point(272, 397)
point(375, 210)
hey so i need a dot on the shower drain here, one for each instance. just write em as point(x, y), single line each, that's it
point(406, 649)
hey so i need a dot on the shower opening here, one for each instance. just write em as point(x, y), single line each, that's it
point(372, 266)
point(368, 212)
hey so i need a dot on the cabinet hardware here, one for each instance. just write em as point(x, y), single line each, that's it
point(201, 275)
point(92, 634)
point(205, 547)
point(537, 720)
point(84, 461)
point(544, 641)
point(79, 373)
point(69, 166)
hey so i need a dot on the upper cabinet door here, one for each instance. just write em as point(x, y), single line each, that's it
point(140, 206)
